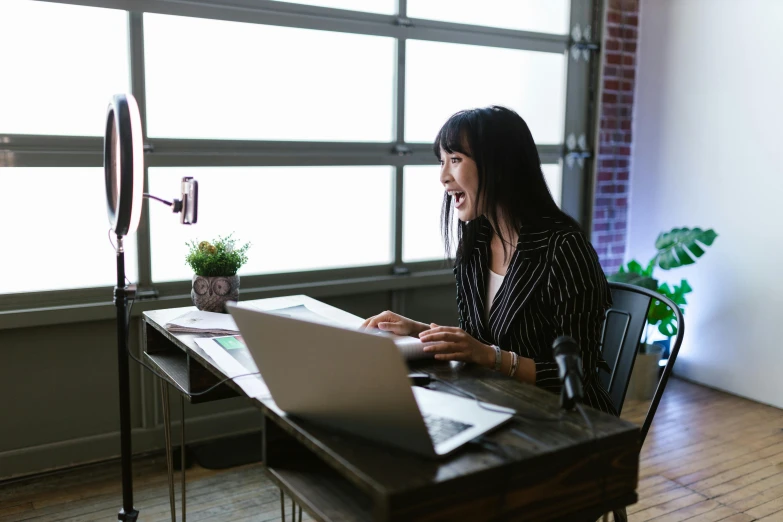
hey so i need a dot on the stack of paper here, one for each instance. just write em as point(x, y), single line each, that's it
point(199, 322)
point(410, 347)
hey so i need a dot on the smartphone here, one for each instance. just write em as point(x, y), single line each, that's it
point(189, 214)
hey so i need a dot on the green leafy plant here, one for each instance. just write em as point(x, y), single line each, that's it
point(676, 248)
point(219, 258)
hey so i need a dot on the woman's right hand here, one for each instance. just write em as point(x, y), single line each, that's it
point(394, 323)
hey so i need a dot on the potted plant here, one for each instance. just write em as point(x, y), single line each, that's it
point(215, 266)
point(675, 248)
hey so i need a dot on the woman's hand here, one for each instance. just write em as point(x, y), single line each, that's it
point(455, 344)
point(394, 323)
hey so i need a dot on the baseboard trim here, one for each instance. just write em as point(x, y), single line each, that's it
point(84, 450)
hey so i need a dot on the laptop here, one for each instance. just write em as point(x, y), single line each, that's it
point(357, 382)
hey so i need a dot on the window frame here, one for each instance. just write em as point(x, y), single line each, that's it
point(50, 307)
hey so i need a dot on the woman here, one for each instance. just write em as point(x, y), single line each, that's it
point(525, 272)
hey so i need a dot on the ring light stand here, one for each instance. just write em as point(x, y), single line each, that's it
point(123, 163)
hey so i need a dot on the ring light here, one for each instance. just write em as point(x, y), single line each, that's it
point(123, 160)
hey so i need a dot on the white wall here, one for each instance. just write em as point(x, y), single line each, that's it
point(708, 151)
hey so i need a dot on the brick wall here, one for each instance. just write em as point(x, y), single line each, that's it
point(615, 139)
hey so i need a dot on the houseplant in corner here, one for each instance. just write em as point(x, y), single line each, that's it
point(215, 266)
point(675, 248)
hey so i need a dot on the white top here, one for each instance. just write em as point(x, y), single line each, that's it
point(495, 280)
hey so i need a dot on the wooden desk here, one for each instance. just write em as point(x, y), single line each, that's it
point(530, 470)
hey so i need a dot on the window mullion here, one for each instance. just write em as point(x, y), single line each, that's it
point(137, 74)
point(581, 104)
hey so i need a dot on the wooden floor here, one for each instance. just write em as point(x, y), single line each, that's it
point(709, 457)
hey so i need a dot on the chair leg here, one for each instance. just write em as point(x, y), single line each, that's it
point(605, 517)
point(164, 393)
point(282, 506)
point(182, 451)
point(620, 515)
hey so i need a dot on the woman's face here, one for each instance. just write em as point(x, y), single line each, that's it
point(459, 176)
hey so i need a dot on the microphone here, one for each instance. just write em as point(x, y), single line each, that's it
point(569, 364)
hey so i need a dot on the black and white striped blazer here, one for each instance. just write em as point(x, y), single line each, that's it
point(554, 286)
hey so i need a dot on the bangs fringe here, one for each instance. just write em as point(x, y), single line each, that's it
point(452, 137)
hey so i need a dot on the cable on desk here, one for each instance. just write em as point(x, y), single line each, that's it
point(145, 365)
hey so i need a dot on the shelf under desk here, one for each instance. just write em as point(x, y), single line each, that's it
point(178, 368)
point(322, 492)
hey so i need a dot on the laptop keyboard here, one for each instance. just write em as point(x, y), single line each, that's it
point(443, 428)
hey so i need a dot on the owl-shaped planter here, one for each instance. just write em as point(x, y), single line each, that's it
point(210, 294)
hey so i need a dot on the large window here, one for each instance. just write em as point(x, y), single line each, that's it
point(297, 218)
point(55, 230)
point(371, 6)
point(307, 124)
point(60, 65)
point(259, 82)
point(543, 16)
point(443, 78)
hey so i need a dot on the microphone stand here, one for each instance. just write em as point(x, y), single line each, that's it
point(567, 401)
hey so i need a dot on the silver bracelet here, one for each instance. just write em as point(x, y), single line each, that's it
point(498, 358)
point(514, 364)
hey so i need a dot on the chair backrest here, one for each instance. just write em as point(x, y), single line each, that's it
point(622, 333)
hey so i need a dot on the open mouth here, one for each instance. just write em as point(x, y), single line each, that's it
point(459, 197)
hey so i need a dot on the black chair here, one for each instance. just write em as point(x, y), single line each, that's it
point(622, 332)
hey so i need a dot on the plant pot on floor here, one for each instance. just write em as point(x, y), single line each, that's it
point(210, 294)
point(644, 377)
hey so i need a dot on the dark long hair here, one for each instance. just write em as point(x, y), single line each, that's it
point(510, 180)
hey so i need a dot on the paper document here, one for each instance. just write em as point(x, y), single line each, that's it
point(410, 347)
point(232, 356)
point(305, 314)
point(203, 322)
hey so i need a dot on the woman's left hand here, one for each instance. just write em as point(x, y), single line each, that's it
point(455, 344)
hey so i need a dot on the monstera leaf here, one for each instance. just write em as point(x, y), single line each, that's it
point(635, 274)
point(663, 316)
point(678, 247)
point(681, 246)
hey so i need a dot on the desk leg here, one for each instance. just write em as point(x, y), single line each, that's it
point(293, 509)
point(182, 452)
point(293, 512)
point(164, 393)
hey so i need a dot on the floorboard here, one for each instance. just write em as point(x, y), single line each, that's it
point(709, 457)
